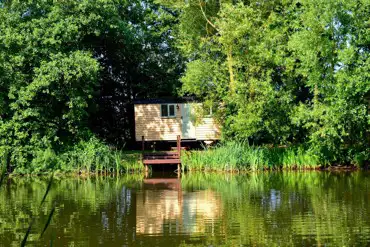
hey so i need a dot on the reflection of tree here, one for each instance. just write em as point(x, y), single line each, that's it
point(80, 200)
point(310, 208)
point(259, 209)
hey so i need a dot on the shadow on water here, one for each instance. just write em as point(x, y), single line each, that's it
point(164, 170)
point(259, 209)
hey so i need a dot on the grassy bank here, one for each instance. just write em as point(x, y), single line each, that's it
point(234, 156)
point(95, 157)
point(92, 156)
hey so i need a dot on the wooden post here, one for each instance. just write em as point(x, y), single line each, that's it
point(146, 171)
point(142, 143)
point(142, 155)
point(179, 155)
point(179, 146)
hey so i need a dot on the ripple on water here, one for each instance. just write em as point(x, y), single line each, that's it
point(284, 209)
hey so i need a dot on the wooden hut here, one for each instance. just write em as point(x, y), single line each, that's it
point(165, 119)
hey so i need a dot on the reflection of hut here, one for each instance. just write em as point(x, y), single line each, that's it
point(160, 201)
point(200, 209)
point(164, 120)
point(166, 208)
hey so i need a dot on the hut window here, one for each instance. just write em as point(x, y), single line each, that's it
point(168, 110)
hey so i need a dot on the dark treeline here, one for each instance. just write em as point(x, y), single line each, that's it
point(276, 72)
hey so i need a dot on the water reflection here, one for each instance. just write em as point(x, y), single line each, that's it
point(259, 209)
point(163, 206)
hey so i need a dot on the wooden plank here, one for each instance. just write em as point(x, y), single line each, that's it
point(161, 161)
point(175, 148)
point(161, 154)
point(161, 181)
point(169, 158)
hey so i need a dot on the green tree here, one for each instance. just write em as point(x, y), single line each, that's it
point(332, 44)
point(283, 71)
point(68, 68)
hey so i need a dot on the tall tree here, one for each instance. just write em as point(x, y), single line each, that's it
point(332, 45)
point(69, 67)
point(285, 71)
point(139, 64)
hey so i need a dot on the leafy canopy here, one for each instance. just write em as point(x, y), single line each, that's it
point(283, 72)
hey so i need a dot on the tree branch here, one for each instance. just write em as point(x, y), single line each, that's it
point(205, 16)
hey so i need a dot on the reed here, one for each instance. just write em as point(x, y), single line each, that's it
point(103, 161)
point(86, 157)
point(239, 156)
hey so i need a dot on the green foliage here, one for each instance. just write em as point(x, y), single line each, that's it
point(95, 156)
point(71, 68)
point(284, 72)
point(236, 156)
point(240, 156)
point(280, 72)
point(92, 156)
point(49, 81)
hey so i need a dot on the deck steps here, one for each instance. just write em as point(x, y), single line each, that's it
point(162, 161)
point(163, 157)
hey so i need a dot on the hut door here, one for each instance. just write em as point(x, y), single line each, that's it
point(188, 128)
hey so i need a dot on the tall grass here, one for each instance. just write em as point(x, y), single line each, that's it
point(238, 156)
point(86, 157)
point(94, 156)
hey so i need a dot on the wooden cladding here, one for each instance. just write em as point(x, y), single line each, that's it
point(159, 124)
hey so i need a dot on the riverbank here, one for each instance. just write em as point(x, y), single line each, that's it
point(86, 157)
point(233, 156)
point(95, 158)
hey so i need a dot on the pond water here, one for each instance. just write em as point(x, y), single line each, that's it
point(258, 209)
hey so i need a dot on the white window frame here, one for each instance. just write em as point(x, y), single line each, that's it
point(168, 111)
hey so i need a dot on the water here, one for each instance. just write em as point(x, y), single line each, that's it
point(259, 209)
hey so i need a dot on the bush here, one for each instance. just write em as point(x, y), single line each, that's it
point(89, 156)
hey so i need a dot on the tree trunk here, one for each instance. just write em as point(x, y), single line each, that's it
point(231, 70)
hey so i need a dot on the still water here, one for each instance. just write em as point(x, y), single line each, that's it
point(258, 209)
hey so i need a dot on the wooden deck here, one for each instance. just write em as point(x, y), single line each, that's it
point(162, 158)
